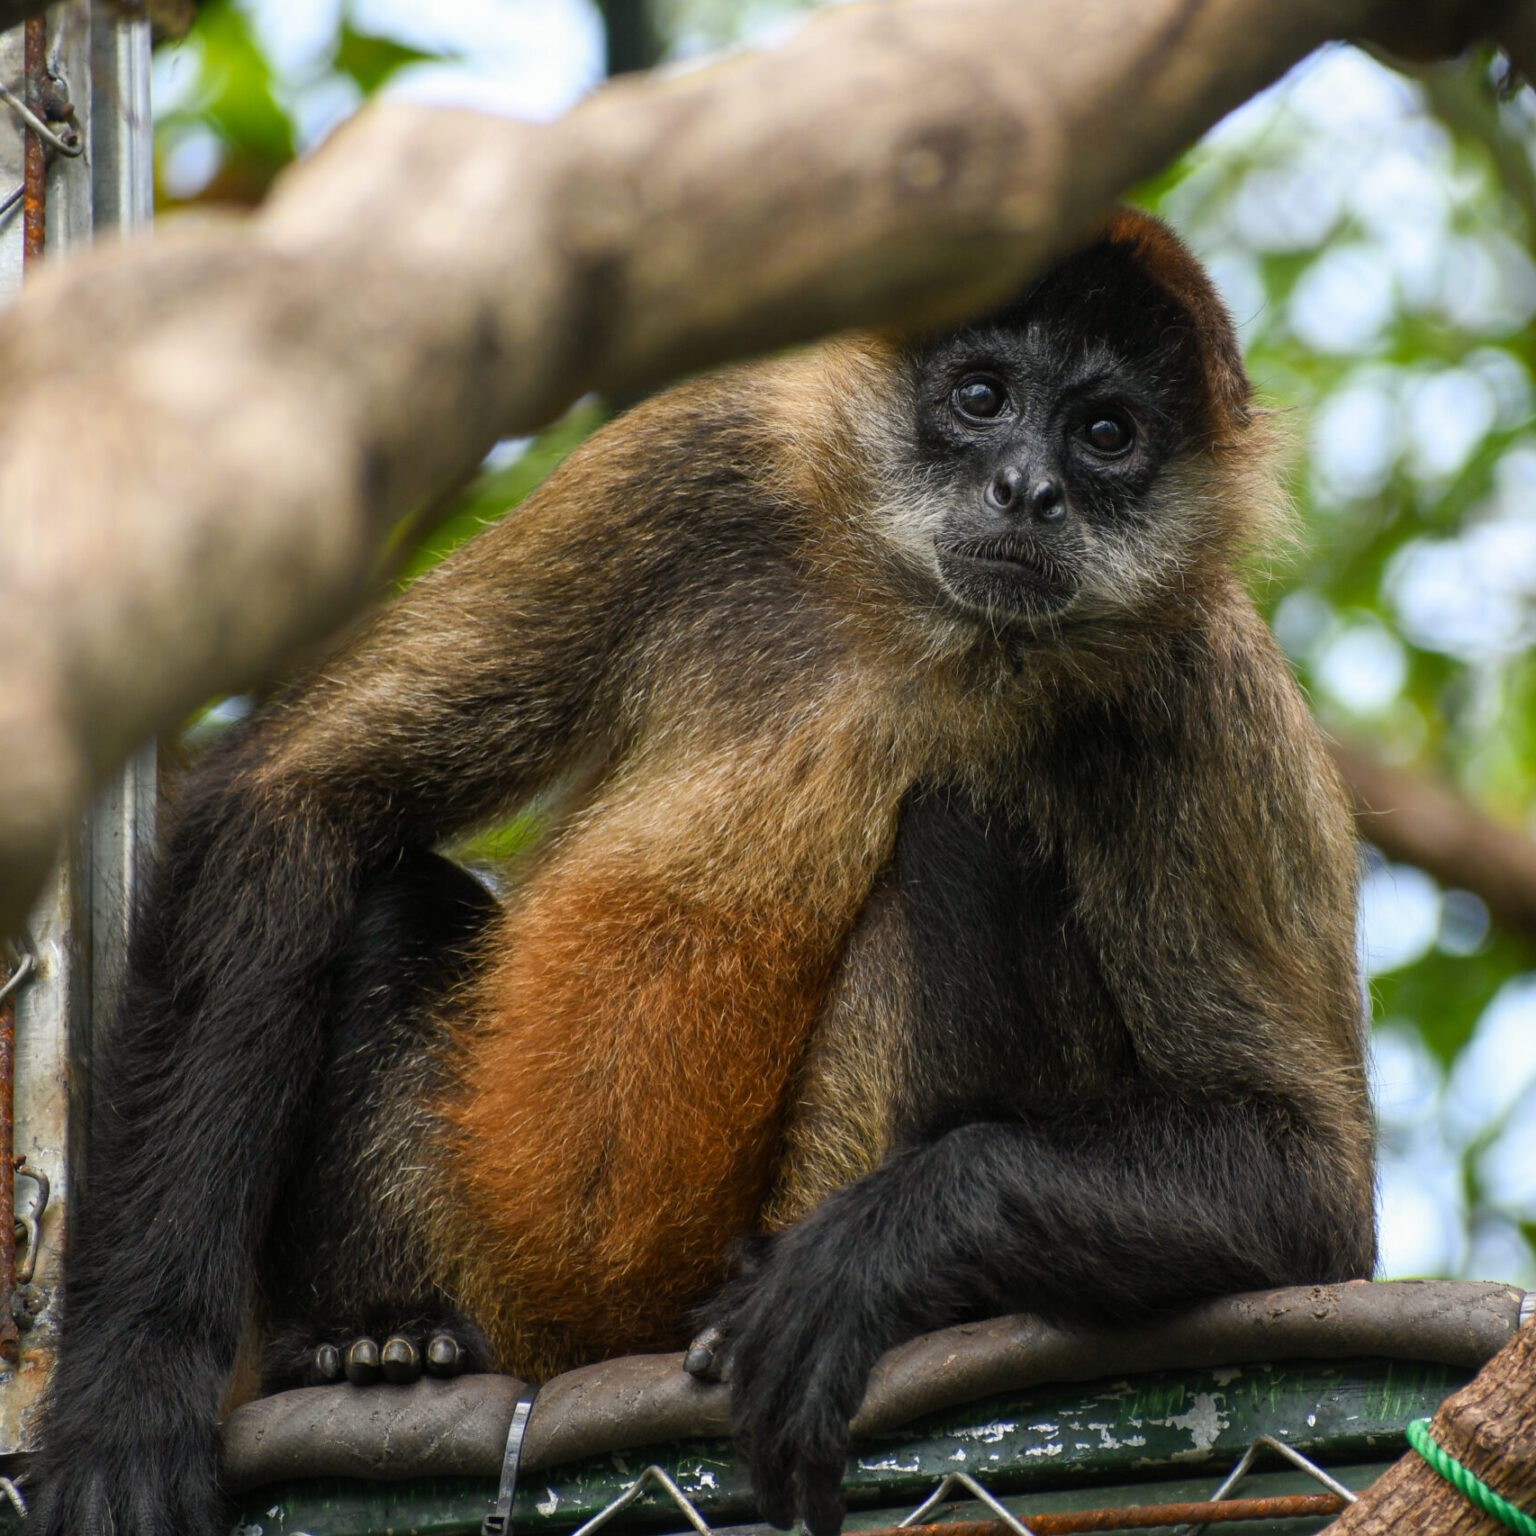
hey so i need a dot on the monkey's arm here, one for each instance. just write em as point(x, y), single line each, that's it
point(464, 697)
point(1096, 1211)
point(1134, 1073)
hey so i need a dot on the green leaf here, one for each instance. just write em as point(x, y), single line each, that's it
point(370, 61)
point(1445, 995)
point(495, 493)
point(241, 103)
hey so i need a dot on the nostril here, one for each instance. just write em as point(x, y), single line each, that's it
point(1047, 500)
point(1004, 489)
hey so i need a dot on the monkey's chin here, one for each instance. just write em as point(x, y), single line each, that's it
point(1016, 587)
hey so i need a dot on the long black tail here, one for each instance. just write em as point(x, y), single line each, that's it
point(198, 1095)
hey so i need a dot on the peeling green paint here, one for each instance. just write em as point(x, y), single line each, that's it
point(1151, 1432)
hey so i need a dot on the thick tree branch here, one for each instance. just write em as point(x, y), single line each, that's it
point(206, 439)
point(1490, 1428)
point(1414, 820)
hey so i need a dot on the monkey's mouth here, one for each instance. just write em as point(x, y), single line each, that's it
point(1017, 559)
point(1003, 576)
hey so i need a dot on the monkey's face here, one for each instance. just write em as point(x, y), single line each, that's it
point(1044, 437)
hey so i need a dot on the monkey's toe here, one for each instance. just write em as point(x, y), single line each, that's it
point(363, 1366)
point(400, 1359)
point(375, 1348)
point(328, 1365)
point(446, 1356)
point(405, 1354)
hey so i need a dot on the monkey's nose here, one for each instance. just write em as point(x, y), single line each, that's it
point(1044, 498)
point(1047, 500)
point(1004, 489)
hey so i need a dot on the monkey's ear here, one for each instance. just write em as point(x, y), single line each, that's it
point(1168, 262)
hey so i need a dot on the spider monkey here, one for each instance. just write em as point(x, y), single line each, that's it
point(943, 898)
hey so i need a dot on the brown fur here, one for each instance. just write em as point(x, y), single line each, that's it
point(667, 1048)
point(1170, 263)
point(664, 1051)
point(950, 891)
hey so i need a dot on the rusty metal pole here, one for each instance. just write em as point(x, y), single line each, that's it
point(34, 215)
point(86, 79)
point(34, 200)
point(1139, 1517)
point(10, 1337)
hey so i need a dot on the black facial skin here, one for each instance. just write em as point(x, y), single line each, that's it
point(1051, 420)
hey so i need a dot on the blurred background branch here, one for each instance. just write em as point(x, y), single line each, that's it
point(1413, 819)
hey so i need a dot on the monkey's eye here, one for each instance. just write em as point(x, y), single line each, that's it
point(980, 398)
point(1108, 433)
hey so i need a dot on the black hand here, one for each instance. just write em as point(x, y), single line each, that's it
point(799, 1346)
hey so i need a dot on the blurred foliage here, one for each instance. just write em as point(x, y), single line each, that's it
point(634, 39)
point(494, 852)
point(1445, 994)
point(230, 106)
point(170, 19)
point(702, 26)
point(370, 61)
point(509, 475)
point(226, 120)
point(1374, 236)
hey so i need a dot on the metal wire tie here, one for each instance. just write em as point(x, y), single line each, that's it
point(975, 1489)
point(24, 966)
point(72, 146)
point(1292, 1455)
point(14, 1494)
point(652, 1474)
point(31, 1224)
point(499, 1521)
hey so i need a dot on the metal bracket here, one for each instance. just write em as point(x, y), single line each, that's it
point(1292, 1455)
point(652, 1474)
point(964, 1480)
point(29, 1232)
point(499, 1521)
point(70, 141)
point(67, 141)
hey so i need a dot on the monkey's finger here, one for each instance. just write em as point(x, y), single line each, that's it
point(362, 1364)
point(400, 1360)
point(706, 1355)
point(773, 1481)
point(821, 1498)
point(444, 1356)
point(777, 1507)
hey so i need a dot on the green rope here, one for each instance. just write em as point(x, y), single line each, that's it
point(1468, 1484)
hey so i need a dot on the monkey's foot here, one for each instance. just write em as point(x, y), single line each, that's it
point(401, 1353)
point(402, 1357)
